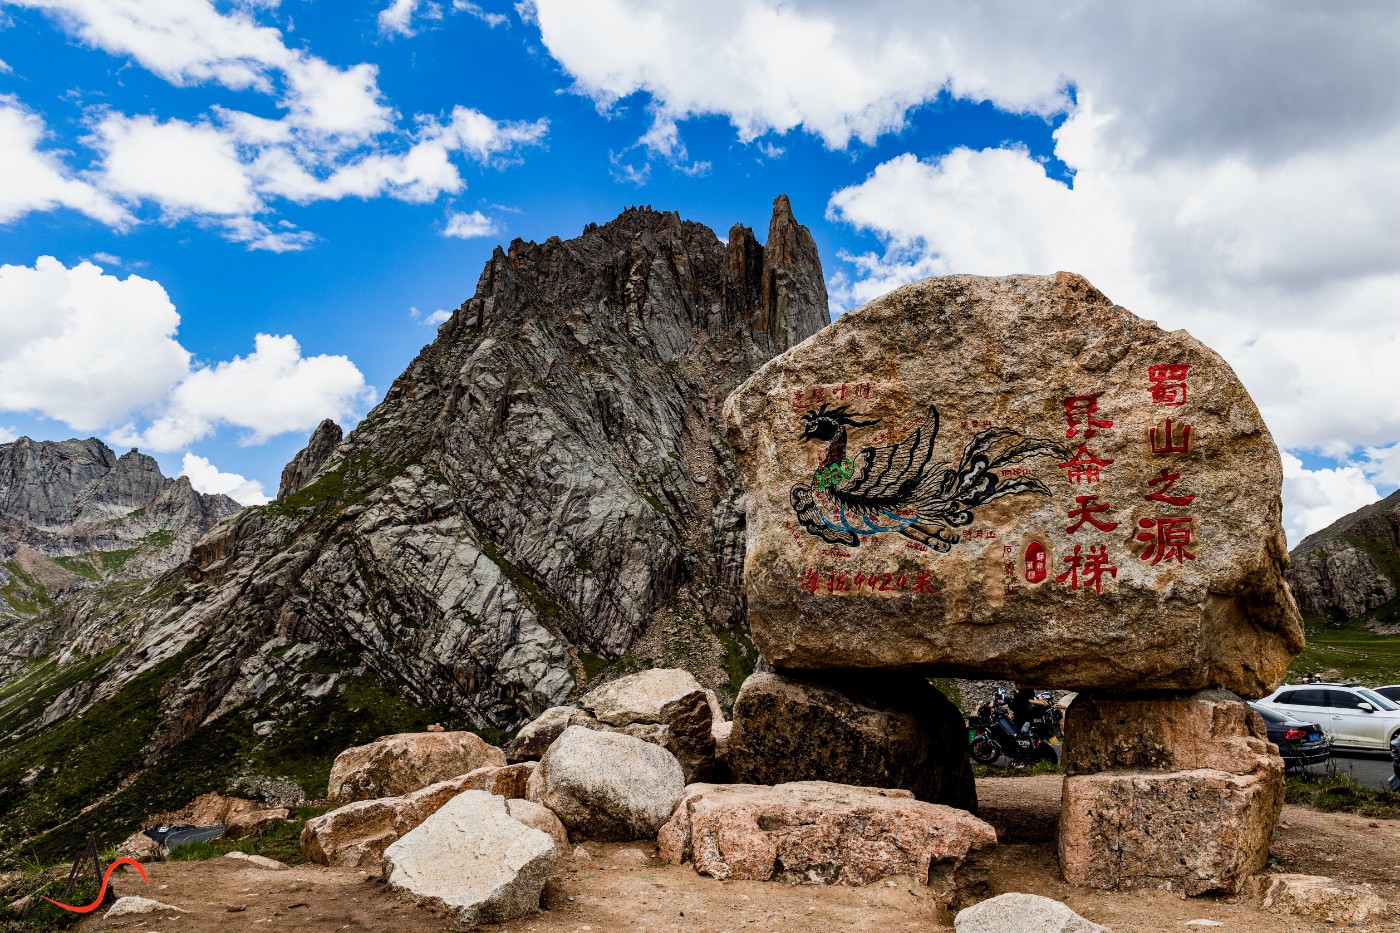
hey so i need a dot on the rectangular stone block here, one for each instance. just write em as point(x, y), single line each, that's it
point(1156, 732)
point(1198, 831)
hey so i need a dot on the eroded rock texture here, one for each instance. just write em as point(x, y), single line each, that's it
point(1013, 478)
point(607, 785)
point(665, 706)
point(401, 764)
point(816, 832)
point(474, 860)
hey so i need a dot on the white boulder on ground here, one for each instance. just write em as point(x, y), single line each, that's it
point(816, 832)
point(1318, 898)
point(1023, 913)
point(131, 905)
point(607, 786)
point(474, 860)
point(401, 764)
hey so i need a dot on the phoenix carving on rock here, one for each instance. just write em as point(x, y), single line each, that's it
point(901, 488)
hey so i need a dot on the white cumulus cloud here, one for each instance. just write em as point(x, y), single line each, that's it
point(100, 352)
point(207, 478)
point(7, 434)
point(35, 180)
point(271, 391)
point(337, 136)
point(186, 168)
point(396, 18)
point(84, 347)
point(1314, 499)
point(466, 226)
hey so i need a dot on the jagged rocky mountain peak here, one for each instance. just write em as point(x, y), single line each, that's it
point(543, 486)
point(311, 458)
point(65, 497)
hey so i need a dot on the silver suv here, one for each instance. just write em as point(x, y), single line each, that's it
point(1353, 716)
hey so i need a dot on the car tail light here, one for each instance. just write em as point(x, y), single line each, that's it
point(1295, 735)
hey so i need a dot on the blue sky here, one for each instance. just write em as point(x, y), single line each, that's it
point(330, 176)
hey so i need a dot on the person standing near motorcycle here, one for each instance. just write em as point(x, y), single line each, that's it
point(1395, 762)
point(1021, 701)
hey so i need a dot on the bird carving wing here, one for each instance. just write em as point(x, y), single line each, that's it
point(887, 476)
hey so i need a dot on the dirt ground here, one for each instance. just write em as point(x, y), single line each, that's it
point(624, 887)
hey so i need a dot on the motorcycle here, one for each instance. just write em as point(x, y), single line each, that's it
point(991, 733)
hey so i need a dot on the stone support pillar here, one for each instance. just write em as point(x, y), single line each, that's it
point(1175, 791)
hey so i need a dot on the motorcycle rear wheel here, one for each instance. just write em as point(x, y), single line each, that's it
point(984, 750)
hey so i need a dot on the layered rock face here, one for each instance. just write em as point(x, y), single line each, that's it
point(1351, 568)
point(542, 481)
point(1013, 478)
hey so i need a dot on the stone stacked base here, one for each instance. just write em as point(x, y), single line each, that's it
point(1180, 792)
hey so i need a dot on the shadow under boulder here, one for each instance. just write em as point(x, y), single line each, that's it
point(871, 730)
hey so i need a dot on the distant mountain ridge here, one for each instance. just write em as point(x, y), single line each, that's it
point(1351, 569)
point(74, 515)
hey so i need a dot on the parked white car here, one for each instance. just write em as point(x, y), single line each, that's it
point(1355, 717)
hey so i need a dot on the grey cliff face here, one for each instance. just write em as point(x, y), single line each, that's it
point(41, 481)
point(308, 462)
point(540, 485)
point(1341, 571)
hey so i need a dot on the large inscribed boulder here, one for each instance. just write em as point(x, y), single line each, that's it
point(1013, 478)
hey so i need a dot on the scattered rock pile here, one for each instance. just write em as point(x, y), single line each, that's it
point(666, 707)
